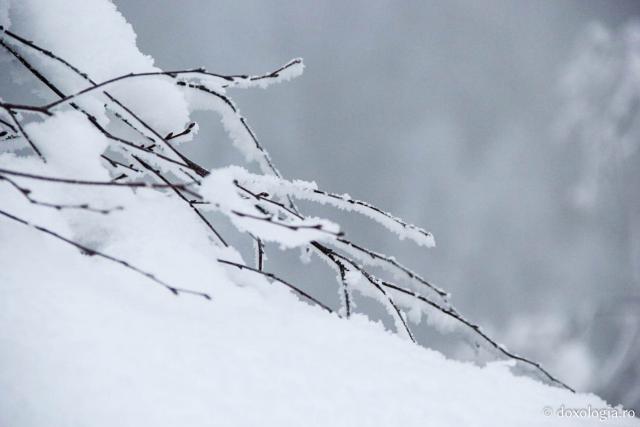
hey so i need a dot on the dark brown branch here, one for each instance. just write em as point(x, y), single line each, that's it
point(276, 73)
point(130, 144)
point(116, 163)
point(246, 127)
point(177, 191)
point(345, 287)
point(32, 45)
point(277, 279)
point(449, 311)
point(190, 164)
point(128, 123)
point(9, 125)
point(57, 91)
point(374, 255)
point(260, 253)
point(237, 78)
point(33, 145)
point(34, 71)
point(95, 183)
point(271, 219)
point(186, 131)
point(295, 227)
point(332, 255)
point(26, 193)
point(7, 137)
point(89, 251)
point(391, 261)
point(455, 315)
point(191, 177)
point(375, 209)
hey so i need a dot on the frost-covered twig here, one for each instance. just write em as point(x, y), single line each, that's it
point(191, 164)
point(142, 151)
point(116, 163)
point(362, 252)
point(451, 312)
point(387, 262)
point(240, 80)
point(294, 227)
point(263, 157)
point(374, 281)
point(276, 186)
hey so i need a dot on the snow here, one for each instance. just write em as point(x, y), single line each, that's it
point(219, 189)
point(240, 134)
point(289, 71)
point(90, 344)
point(304, 190)
point(149, 324)
point(112, 52)
point(70, 145)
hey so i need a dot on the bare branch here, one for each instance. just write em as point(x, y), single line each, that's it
point(25, 135)
point(275, 278)
point(177, 191)
point(83, 206)
point(95, 183)
point(395, 264)
point(89, 251)
point(371, 279)
point(455, 315)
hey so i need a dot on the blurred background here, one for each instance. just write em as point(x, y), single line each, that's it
point(508, 129)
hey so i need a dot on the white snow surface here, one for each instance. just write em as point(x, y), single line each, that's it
point(85, 341)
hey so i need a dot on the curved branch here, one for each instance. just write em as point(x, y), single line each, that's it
point(89, 251)
point(25, 192)
point(277, 279)
point(455, 315)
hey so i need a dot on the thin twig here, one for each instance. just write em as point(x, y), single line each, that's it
point(454, 314)
point(277, 279)
point(89, 251)
point(82, 206)
point(26, 135)
point(95, 183)
point(177, 191)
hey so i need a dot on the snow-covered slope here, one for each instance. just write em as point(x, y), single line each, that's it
point(98, 341)
point(87, 344)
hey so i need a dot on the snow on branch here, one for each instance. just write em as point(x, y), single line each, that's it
point(97, 157)
point(309, 191)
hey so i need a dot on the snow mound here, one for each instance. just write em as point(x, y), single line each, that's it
point(86, 343)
